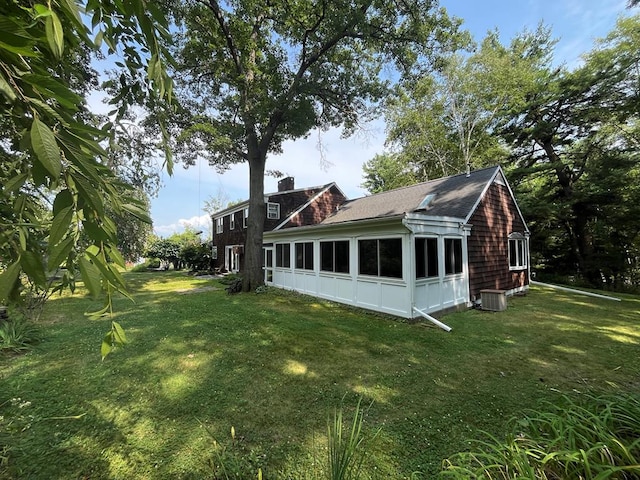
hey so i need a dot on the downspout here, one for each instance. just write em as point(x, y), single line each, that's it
point(435, 321)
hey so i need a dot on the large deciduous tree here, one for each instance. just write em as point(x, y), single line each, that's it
point(254, 73)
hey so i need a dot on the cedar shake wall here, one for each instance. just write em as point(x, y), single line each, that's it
point(492, 222)
point(317, 211)
point(289, 202)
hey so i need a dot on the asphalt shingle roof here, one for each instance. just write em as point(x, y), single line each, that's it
point(453, 196)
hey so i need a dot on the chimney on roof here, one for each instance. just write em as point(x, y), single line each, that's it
point(286, 184)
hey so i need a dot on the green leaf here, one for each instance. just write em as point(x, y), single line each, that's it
point(64, 199)
point(6, 89)
point(58, 253)
point(118, 334)
point(90, 276)
point(32, 265)
point(60, 225)
point(45, 146)
point(137, 212)
point(14, 184)
point(41, 10)
point(55, 34)
point(115, 256)
point(106, 347)
point(8, 280)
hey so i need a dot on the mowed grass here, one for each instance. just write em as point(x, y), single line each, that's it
point(274, 367)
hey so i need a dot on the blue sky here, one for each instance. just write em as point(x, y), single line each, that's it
point(577, 23)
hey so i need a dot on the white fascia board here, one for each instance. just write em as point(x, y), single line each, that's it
point(230, 210)
point(337, 227)
point(300, 209)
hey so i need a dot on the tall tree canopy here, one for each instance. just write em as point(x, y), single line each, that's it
point(254, 73)
point(567, 138)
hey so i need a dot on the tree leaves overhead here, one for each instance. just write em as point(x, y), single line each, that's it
point(50, 147)
point(252, 74)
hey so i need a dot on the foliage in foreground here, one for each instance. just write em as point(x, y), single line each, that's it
point(596, 437)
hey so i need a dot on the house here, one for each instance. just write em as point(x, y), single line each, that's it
point(410, 252)
point(286, 208)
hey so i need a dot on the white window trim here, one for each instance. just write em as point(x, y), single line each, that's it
point(273, 215)
point(232, 222)
point(219, 225)
point(521, 263)
point(245, 216)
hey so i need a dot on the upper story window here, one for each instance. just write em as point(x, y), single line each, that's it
point(245, 217)
point(334, 256)
point(219, 225)
point(380, 257)
point(452, 256)
point(232, 221)
point(517, 251)
point(426, 257)
point(273, 211)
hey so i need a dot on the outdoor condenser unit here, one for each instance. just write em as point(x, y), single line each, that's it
point(494, 300)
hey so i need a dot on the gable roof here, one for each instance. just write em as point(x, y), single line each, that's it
point(271, 196)
point(456, 196)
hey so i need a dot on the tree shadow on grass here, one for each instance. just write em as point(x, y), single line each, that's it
point(275, 366)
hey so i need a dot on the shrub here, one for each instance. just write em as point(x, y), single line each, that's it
point(18, 335)
point(594, 438)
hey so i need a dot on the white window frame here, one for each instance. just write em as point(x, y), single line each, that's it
point(232, 221)
point(214, 252)
point(521, 251)
point(219, 225)
point(273, 211)
point(245, 217)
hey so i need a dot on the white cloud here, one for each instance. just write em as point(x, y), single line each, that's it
point(201, 223)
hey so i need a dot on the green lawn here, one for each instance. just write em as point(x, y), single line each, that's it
point(274, 366)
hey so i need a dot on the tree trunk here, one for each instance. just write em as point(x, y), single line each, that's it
point(253, 275)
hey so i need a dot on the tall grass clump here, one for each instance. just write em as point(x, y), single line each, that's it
point(18, 335)
point(596, 437)
point(347, 449)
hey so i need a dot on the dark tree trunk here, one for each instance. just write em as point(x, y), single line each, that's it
point(253, 275)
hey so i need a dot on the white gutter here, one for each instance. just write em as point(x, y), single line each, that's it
point(573, 290)
point(446, 328)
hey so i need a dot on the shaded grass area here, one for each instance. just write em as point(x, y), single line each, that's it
point(275, 365)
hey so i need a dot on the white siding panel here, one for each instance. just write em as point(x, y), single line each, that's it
point(344, 289)
point(394, 298)
point(368, 293)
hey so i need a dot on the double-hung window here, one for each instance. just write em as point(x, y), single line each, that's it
point(304, 256)
point(219, 225)
point(232, 221)
point(245, 217)
point(517, 251)
point(334, 256)
point(273, 211)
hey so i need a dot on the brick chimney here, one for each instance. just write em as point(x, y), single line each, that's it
point(286, 184)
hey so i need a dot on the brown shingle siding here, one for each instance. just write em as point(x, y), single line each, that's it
point(324, 200)
point(493, 220)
